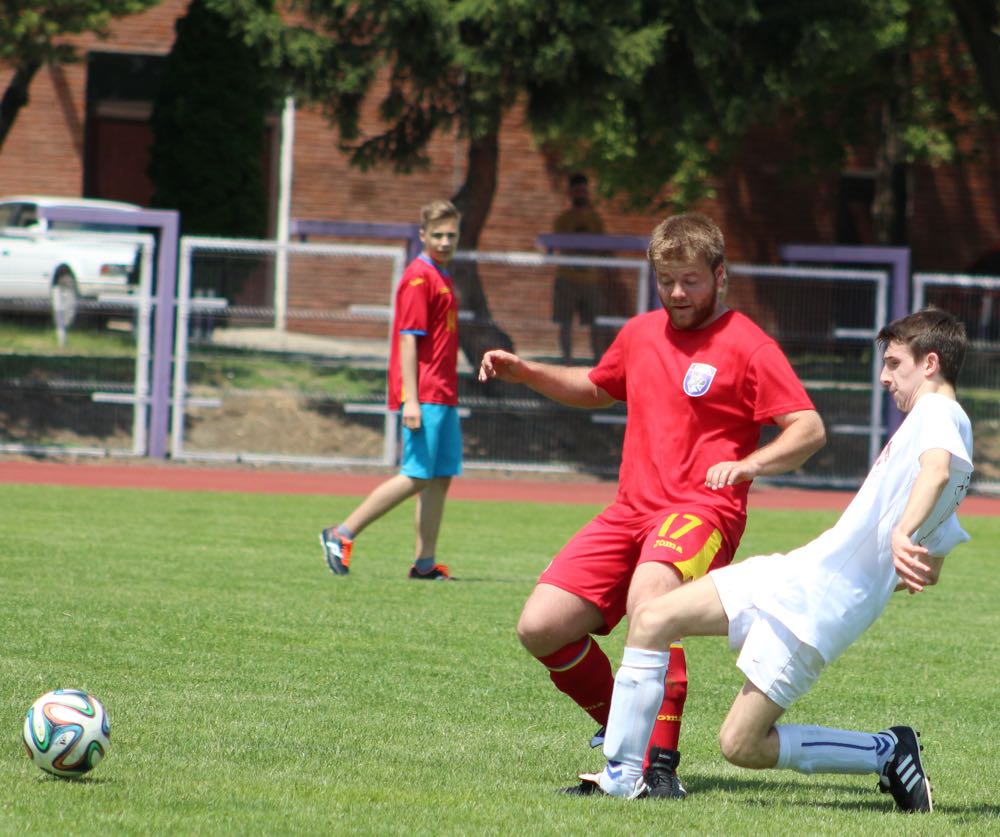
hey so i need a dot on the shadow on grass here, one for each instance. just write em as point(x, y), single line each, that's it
point(763, 793)
point(468, 579)
point(70, 781)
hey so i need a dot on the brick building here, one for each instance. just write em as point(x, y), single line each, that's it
point(85, 131)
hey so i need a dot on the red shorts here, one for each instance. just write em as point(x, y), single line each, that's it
point(598, 562)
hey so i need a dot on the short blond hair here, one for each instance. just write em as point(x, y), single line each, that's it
point(436, 211)
point(685, 238)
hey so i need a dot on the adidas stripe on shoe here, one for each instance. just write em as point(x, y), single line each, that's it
point(903, 775)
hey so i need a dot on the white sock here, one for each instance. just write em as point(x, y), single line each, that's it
point(637, 697)
point(824, 750)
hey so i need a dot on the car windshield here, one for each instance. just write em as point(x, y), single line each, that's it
point(17, 214)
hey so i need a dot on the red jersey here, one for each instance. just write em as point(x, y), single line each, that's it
point(694, 398)
point(426, 306)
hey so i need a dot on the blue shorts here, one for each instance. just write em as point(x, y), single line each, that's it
point(435, 450)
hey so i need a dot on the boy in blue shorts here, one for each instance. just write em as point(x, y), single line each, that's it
point(423, 385)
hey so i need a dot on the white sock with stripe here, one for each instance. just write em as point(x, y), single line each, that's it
point(808, 749)
point(637, 696)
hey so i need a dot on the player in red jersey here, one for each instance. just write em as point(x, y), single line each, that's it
point(700, 380)
point(423, 384)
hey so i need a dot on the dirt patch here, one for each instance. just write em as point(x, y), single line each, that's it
point(281, 423)
point(284, 423)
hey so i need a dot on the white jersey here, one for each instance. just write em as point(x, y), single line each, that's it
point(829, 591)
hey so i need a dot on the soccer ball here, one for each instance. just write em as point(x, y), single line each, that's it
point(67, 732)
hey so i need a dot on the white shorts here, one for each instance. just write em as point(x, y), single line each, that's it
point(775, 660)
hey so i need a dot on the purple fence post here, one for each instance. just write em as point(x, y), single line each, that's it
point(898, 260)
point(166, 224)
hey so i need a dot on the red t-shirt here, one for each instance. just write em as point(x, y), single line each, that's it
point(694, 398)
point(426, 306)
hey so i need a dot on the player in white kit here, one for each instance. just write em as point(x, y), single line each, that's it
point(791, 615)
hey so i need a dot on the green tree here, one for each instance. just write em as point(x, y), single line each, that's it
point(208, 126)
point(32, 35)
point(980, 24)
point(451, 66)
point(913, 99)
point(655, 98)
point(889, 80)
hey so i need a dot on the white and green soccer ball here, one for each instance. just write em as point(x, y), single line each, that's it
point(67, 732)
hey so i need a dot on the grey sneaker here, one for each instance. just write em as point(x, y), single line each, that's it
point(336, 551)
point(903, 775)
point(597, 739)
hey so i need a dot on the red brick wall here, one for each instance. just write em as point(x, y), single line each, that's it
point(43, 153)
point(956, 216)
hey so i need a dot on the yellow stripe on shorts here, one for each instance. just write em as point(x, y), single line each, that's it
point(697, 565)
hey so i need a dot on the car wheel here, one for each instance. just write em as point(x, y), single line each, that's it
point(65, 297)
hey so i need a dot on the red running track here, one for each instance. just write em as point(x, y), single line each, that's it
point(168, 476)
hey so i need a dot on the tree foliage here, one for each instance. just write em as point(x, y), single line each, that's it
point(654, 97)
point(887, 79)
point(209, 131)
point(451, 65)
point(979, 21)
point(32, 35)
point(721, 69)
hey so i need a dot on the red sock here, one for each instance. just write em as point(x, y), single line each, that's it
point(667, 729)
point(583, 671)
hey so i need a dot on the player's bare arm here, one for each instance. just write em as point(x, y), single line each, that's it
point(501, 365)
point(412, 413)
point(570, 385)
point(914, 566)
point(802, 434)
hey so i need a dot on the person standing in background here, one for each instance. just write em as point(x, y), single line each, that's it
point(578, 290)
point(423, 385)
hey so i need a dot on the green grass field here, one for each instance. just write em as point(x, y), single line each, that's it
point(251, 692)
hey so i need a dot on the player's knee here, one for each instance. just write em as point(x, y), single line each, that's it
point(535, 634)
point(647, 627)
point(416, 484)
point(525, 633)
point(732, 746)
point(740, 748)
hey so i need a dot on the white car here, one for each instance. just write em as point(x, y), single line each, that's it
point(47, 264)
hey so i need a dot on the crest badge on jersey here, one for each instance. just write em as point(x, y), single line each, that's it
point(699, 379)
